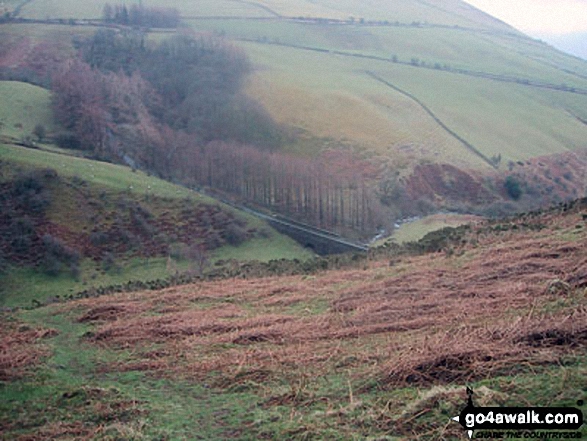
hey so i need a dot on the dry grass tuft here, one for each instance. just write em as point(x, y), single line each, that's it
point(20, 349)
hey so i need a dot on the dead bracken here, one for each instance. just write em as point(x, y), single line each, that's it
point(508, 301)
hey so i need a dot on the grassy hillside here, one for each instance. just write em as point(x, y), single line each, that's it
point(23, 107)
point(479, 77)
point(85, 198)
point(382, 350)
point(402, 83)
point(498, 90)
point(123, 225)
point(433, 65)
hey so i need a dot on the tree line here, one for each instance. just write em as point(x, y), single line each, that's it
point(138, 15)
point(177, 109)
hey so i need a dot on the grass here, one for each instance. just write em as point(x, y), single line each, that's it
point(315, 91)
point(222, 8)
point(101, 174)
point(457, 48)
point(318, 97)
point(23, 107)
point(515, 121)
point(322, 357)
point(22, 286)
point(102, 184)
point(416, 230)
point(264, 250)
point(66, 9)
point(509, 119)
point(59, 35)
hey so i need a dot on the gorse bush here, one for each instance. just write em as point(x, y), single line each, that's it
point(59, 257)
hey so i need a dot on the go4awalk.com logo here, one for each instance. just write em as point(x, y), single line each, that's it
point(520, 422)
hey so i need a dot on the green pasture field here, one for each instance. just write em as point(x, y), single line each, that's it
point(405, 11)
point(102, 174)
point(515, 121)
point(331, 96)
point(455, 48)
point(53, 33)
point(65, 9)
point(214, 8)
point(22, 107)
point(414, 231)
point(22, 286)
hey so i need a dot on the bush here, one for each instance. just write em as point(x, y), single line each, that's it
point(235, 234)
point(40, 132)
point(29, 189)
point(109, 262)
point(22, 231)
point(98, 238)
point(3, 263)
point(177, 251)
point(59, 256)
point(513, 188)
point(67, 141)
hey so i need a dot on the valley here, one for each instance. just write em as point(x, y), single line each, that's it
point(279, 219)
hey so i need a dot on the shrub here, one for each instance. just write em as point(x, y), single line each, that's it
point(67, 141)
point(59, 256)
point(199, 258)
point(40, 132)
point(235, 234)
point(213, 241)
point(177, 251)
point(22, 232)
point(3, 263)
point(513, 188)
point(29, 190)
point(98, 238)
point(109, 262)
point(27, 141)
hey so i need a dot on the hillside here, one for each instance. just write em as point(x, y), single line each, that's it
point(379, 350)
point(23, 107)
point(134, 308)
point(498, 90)
point(444, 102)
point(69, 224)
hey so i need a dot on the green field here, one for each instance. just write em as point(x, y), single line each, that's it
point(65, 9)
point(315, 91)
point(330, 101)
point(416, 230)
point(102, 174)
point(456, 48)
point(22, 107)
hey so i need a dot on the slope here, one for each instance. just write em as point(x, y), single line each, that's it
point(23, 107)
point(494, 90)
point(381, 349)
point(500, 91)
point(115, 224)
